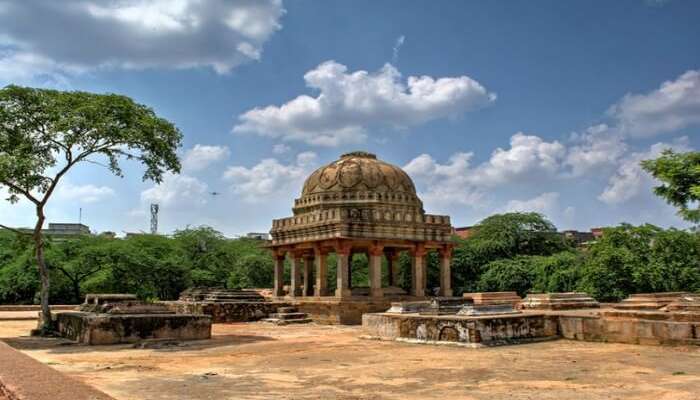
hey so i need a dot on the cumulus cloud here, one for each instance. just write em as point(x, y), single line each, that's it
point(630, 179)
point(674, 105)
point(444, 184)
point(270, 177)
point(82, 193)
point(201, 156)
point(63, 38)
point(397, 48)
point(599, 146)
point(545, 203)
point(529, 157)
point(348, 103)
point(177, 191)
point(281, 148)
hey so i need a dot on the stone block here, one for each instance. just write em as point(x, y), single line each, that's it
point(558, 301)
point(487, 309)
point(493, 298)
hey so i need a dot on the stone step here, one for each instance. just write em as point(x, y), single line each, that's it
point(278, 321)
point(287, 316)
point(286, 310)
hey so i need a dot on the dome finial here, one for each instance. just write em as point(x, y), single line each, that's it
point(359, 154)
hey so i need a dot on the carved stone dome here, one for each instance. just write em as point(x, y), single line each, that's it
point(358, 177)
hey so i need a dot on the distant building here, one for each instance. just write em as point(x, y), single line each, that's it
point(258, 236)
point(62, 230)
point(463, 232)
point(578, 237)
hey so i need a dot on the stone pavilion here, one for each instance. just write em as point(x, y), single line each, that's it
point(358, 204)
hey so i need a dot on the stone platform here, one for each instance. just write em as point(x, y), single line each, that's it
point(493, 298)
point(225, 305)
point(558, 301)
point(649, 301)
point(471, 331)
point(99, 328)
point(334, 311)
point(120, 318)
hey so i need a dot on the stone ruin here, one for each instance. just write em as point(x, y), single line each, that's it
point(657, 301)
point(558, 301)
point(494, 298)
point(225, 305)
point(122, 318)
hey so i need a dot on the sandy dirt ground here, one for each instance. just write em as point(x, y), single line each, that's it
point(260, 361)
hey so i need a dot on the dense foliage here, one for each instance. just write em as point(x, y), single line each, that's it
point(679, 174)
point(519, 252)
point(45, 133)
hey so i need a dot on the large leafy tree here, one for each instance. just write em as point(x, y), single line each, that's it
point(44, 133)
point(679, 174)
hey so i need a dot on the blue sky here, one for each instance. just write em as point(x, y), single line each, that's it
point(490, 106)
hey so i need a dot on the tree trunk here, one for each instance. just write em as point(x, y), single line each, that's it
point(46, 325)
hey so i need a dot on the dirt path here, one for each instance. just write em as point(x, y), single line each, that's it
point(259, 361)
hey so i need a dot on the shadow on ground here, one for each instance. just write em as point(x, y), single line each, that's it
point(65, 346)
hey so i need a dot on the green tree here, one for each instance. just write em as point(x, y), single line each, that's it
point(679, 174)
point(507, 275)
point(44, 133)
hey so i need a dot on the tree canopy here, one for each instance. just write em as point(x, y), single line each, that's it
point(44, 133)
point(679, 174)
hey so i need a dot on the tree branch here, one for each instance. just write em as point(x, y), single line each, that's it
point(23, 192)
point(17, 231)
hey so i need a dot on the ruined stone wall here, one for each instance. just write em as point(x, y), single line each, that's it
point(227, 312)
point(633, 327)
point(98, 329)
point(340, 312)
point(470, 331)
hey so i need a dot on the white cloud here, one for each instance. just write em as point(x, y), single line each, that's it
point(545, 203)
point(397, 47)
point(674, 105)
point(270, 177)
point(350, 102)
point(442, 185)
point(62, 38)
point(201, 156)
point(281, 148)
point(529, 158)
point(630, 179)
point(177, 191)
point(599, 146)
point(67, 191)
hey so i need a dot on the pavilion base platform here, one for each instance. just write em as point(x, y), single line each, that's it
point(330, 310)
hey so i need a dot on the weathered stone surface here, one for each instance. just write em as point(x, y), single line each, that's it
point(445, 306)
point(487, 309)
point(340, 312)
point(649, 301)
point(100, 298)
point(408, 307)
point(689, 303)
point(493, 298)
point(474, 331)
point(239, 311)
point(96, 329)
point(220, 295)
point(635, 327)
point(558, 301)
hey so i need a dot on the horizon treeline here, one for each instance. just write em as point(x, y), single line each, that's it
point(508, 252)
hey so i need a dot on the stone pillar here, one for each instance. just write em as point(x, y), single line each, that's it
point(392, 260)
point(343, 271)
point(278, 290)
point(375, 271)
point(308, 276)
point(418, 271)
point(446, 271)
point(321, 288)
point(296, 286)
